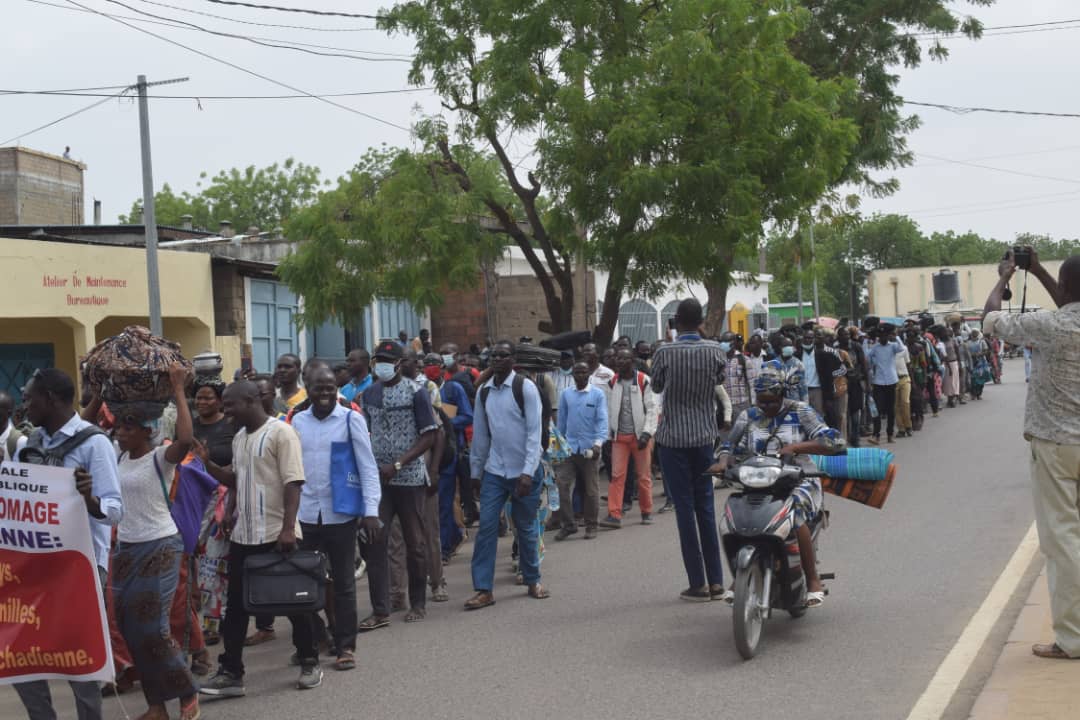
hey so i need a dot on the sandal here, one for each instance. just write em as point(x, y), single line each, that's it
point(1051, 652)
point(539, 592)
point(373, 622)
point(415, 615)
point(190, 711)
point(345, 661)
point(439, 594)
point(815, 599)
point(480, 600)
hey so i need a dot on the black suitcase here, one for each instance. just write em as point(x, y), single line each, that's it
point(279, 584)
point(567, 340)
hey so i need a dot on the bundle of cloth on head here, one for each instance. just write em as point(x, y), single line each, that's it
point(771, 381)
point(130, 372)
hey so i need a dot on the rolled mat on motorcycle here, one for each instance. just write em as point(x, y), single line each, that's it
point(865, 475)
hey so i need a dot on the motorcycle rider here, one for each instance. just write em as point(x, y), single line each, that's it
point(797, 429)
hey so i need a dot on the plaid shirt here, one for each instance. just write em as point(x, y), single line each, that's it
point(739, 374)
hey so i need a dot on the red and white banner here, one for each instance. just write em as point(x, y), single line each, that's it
point(52, 615)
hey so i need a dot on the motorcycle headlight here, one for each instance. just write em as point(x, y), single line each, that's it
point(759, 477)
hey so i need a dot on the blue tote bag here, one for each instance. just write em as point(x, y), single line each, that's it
point(345, 487)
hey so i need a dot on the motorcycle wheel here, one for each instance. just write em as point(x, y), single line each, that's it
point(748, 618)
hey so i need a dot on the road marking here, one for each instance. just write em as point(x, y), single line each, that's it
point(951, 672)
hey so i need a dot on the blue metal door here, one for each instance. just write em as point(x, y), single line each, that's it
point(18, 363)
point(273, 323)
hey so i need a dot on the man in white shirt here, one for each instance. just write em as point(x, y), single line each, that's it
point(11, 440)
point(599, 375)
point(323, 426)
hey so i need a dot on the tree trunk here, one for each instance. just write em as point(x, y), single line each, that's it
point(605, 328)
point(717, 288)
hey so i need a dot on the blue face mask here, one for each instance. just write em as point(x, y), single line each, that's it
point(787, 351)
point(808, 347)
point(566, 371)
point(385, 371)
point(725, 346)
point(448, 360)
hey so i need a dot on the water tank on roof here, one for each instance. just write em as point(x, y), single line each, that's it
point(946, 286)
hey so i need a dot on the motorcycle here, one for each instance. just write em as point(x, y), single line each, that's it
point(757, 530)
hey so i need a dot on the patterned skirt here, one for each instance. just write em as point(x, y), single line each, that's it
point(145, 578)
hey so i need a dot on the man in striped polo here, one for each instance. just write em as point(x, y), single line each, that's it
point(687, 372)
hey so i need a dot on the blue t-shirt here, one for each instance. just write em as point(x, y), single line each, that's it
point(882, 359)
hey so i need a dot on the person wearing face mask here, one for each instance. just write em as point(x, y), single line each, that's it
point(822, 364)
point(403, 428)
point(739, 374)
point(785, 361)
point(563, 378)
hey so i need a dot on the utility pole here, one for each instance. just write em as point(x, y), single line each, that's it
point(813, 269)
point(798, 276)
point(851, 275)
point(149, 219)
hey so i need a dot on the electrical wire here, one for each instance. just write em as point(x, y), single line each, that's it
point(960, 110)
point(257, 41)
point(259, 24)
point(1000, 170)
point(80, 111)
point(359, 93)
point(242, 69)
point(296, 10)
point(999, 27)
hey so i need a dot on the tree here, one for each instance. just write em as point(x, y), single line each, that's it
point(261, 197)
point(400, 224)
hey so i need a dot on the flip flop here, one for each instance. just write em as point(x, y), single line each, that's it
point(373, 622)
point(815, 599)
point(1051, 652)
point(345, 661)
point(415, 615)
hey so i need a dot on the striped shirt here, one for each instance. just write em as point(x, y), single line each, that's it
point(264, 461)
point(687, 373)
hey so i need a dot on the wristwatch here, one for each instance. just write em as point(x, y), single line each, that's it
point(397, 466)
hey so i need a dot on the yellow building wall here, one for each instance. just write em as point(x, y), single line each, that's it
point(74, 295)
point(913, 289)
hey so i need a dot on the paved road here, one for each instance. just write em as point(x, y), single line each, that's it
point(615, 641)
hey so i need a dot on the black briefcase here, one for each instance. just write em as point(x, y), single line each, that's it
point(280, 584)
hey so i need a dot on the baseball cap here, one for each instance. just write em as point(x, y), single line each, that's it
point(388, 350)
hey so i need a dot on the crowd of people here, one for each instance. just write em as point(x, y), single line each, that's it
point(444, 443)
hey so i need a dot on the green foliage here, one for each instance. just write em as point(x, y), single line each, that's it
point(262, 197)
point(399, 224)
point(864, 41)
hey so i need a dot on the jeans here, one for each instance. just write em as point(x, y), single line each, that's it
point(885, 399)
point(695, 511)
point(450, 535)
point(624, 449)
point(234, 627)
point(336, 542)
point(583, 471)
point(494, 492)
point(37, 699)
point(406, 504)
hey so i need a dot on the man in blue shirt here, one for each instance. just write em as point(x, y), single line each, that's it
point(583, 420)
point(509, 463)
point(359, 374)
point(452, 395)
point(326, 424)
point(49, 397)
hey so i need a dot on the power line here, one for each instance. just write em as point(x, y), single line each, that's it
point(1000, 27)
point(259, 24)
point(359, 93)
point(296, 10)
point(257, 41)
point(975, 206)
point(242, 69)
point(1001, 170)
point(999, 156)
point(961, 110)
point(58, 120)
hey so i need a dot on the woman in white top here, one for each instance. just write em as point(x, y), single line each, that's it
point(146, 561)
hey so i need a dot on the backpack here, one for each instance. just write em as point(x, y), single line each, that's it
point(449, 438)
point(640, 376)
point(35, 453)
point(518, 388)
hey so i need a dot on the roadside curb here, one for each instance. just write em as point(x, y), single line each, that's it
point(1023, 686)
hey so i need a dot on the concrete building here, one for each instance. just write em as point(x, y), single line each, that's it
point(901, 292)
point(39, 188)
point(62, 298)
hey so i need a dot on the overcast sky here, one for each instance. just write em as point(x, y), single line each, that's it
point(62, 47)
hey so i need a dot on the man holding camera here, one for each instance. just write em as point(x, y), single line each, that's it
point(1052, 426)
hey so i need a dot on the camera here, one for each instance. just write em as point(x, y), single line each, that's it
point(1021, 257)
